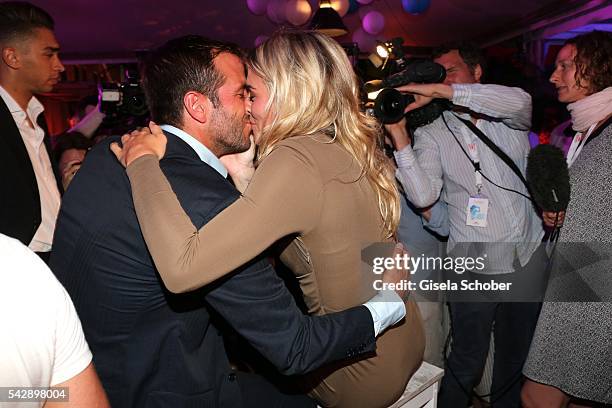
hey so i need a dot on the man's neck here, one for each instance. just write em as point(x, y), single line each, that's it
point(22, 97)
point(202, 138)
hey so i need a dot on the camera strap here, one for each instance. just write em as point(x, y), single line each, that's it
point(499, 152)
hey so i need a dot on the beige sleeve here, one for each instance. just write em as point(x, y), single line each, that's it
point(284, 197)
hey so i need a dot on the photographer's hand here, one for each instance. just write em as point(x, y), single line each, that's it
point(425, 93)
point(398, 134)
point(553, 219)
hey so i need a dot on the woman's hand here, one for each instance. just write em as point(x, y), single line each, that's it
point(241, 166)
point(140, 142)
point(396, 275)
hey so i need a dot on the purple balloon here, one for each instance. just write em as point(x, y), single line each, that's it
point(373, 22)
point(366, 42)
point(364, 10)
point(260, 39)
point(276, 11)
point(415, 6)
point(257, 7)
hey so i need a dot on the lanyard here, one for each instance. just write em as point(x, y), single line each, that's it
point(472, 148)
point(577, 144)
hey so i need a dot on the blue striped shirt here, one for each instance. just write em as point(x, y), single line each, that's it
point(437, 160)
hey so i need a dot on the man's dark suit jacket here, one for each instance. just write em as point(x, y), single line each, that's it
point(20, 203)
point(152, 348)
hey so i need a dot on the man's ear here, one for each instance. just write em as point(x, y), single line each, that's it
point(477, 72)
point(10, 57)
point(197, 106)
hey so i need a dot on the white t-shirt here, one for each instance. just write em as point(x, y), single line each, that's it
point(41, 338)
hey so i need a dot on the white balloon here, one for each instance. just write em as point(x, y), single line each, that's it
point(298, 12)
point(257, 7)
point(276, 11)
point(341, 6)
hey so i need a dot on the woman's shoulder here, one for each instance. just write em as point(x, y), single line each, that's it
point(328, 157)
point(315, 148)
point(310, 142)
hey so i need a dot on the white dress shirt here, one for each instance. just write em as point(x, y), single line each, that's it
point(41, 163)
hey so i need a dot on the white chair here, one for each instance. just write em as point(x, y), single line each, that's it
point(422, 389)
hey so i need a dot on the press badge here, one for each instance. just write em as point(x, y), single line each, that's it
point(477, 210)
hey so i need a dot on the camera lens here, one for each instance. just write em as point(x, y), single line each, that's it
point(390, 104)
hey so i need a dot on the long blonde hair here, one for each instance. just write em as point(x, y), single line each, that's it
point(313, 89)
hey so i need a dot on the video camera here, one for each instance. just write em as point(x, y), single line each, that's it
point(126, 99)
point(389, 104)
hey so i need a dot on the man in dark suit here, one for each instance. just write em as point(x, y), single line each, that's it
point(153, 348)
point(28, 180)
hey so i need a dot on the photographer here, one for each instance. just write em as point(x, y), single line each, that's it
point(449, 162)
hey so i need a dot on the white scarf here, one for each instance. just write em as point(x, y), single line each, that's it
point(590, 110)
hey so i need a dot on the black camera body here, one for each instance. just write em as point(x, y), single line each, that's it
point(389, 105)
point(123, 99)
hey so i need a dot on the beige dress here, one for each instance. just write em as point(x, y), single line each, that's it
point(311, 189)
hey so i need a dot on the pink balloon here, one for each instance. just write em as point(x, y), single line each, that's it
point(373, 22)
point(366, 42)
point(341, 6)
point(257, 7)
point(298, 12)
point(364, 1)
point(276, 11)
point(260, 39)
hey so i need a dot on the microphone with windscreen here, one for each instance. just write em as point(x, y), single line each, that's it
point(548, 178)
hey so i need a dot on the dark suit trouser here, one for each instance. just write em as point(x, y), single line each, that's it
point(513, 325)
point(257, 392)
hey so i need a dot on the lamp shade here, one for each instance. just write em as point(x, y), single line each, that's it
point(327, 21)
point(341, 6)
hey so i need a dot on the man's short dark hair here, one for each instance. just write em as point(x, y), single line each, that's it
point(19, 19)
point(71, 140)
point(177, 67)
point(469, 52)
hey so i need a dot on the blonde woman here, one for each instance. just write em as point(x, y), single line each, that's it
point(321, 180)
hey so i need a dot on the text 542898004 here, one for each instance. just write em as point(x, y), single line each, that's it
point(33, 394)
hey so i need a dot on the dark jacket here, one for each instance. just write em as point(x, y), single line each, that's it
point(20, 213)
point(156, 349)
